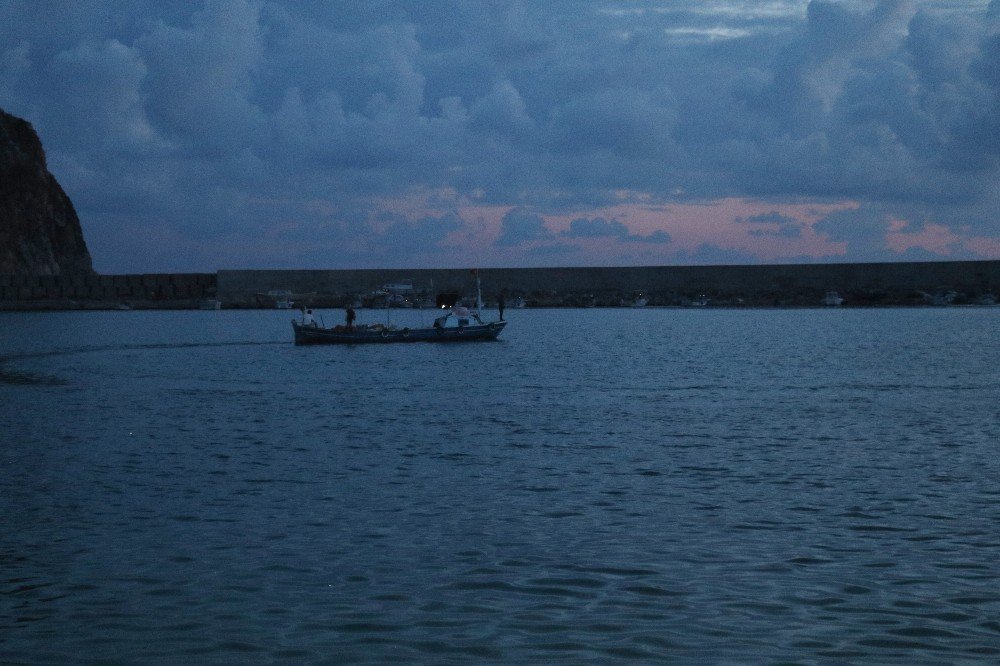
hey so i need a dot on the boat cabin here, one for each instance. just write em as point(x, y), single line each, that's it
point(458, 317)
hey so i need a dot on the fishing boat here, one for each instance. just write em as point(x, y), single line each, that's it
point(639, 301)
point(457, 324)
point(282, 298)
point(833, 299)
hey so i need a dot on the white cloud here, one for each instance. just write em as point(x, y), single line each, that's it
point(200, 80)
point(98, 88)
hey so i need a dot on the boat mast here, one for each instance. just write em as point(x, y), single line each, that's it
point(479, 293)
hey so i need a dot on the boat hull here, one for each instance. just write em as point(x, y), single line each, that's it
point(313, 335)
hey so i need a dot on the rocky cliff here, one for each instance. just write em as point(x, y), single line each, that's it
point(39, 231)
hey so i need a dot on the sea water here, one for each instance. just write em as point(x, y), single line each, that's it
point(700, 486)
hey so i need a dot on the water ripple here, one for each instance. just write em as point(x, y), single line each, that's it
point(710, 487)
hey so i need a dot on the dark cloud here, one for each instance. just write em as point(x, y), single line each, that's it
point(844, 118)
point(426, 232)
point(223, 117)
point(201, 78)
point(595, 228)
point(865, 226)
point(773, 224)
point(774, 217)
point(521, 226)
point(658, 236)
point(600, 228)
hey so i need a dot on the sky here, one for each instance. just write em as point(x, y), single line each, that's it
point(197, 136)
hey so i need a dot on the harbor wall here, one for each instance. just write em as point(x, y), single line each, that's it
point(768, 284)
point(148, 290)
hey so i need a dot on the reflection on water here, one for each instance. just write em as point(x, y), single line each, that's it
point(597, 486)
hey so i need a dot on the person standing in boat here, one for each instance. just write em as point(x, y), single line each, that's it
point(307, 318)
point(350, 318)
point(500, 304)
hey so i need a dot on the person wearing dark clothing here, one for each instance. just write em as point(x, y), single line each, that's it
point(500, 305)
point(350, 317)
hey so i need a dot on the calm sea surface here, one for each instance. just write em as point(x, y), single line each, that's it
point(709, 486)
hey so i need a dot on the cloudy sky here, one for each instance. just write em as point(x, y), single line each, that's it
point(194, 136)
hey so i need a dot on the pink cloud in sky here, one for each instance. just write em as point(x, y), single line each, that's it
point(940, 240)
point(984, 247)
point(935, 238)
point(729, 230)
point(727, 224)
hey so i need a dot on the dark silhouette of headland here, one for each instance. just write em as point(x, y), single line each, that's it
point(40, 233)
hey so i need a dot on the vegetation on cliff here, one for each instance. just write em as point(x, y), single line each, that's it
point(40, 232)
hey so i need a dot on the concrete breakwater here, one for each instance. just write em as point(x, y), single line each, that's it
point(911, 283)
point(91, 291)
